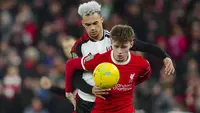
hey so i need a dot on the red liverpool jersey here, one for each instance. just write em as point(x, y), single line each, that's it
point(132, 72)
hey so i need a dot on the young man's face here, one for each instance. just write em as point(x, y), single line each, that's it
point(121, 51)
point(93, 25)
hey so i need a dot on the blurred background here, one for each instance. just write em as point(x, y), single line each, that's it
point(36, 37)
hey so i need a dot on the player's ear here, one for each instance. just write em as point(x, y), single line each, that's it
point(132, 43)
point(82, 23)
point(102, 19)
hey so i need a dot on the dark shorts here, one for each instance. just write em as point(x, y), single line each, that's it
point(84, 106)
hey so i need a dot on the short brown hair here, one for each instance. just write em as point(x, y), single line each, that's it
point(122, 33)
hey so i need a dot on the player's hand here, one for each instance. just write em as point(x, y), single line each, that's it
point(169, 67)
point(45, 82)
point(71, 98)
point(99, 92)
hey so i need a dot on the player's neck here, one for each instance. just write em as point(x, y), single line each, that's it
point(100, 35)
point(121, 62)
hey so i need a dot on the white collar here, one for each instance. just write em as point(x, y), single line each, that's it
point(121, 63)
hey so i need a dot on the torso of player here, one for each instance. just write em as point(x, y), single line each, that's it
point(122, 93)
point(91, 48)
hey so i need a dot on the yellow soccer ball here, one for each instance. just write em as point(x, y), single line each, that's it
point(106, 75)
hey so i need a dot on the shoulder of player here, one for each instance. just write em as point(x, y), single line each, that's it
point(140, 60)
point(106, 33)
point(103, 56)
point(96, 57)
point(82, 40)
point(77, 46)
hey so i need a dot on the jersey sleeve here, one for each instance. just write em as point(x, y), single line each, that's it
point(145, 72)
point(149, 48)
point(76, 51)
point(71, 66)
point(90, 62)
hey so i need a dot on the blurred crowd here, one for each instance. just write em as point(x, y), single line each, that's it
point(36, 37)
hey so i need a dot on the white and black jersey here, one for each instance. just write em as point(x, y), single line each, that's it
point(86, 46)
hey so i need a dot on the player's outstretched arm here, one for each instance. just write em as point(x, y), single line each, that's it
point(149, 48)
point(89, 63)
point(77, 80)
point(71, 66)
point(156, 51)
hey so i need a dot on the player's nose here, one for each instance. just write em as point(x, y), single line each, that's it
point(92, 28)
point(119, 50)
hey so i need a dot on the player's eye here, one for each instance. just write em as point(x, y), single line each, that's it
point(87, 24)
point(124, 47)
point(116, 46)
point(95, 23)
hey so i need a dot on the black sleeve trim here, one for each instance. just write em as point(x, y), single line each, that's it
point(77, 46)
point(77, 50)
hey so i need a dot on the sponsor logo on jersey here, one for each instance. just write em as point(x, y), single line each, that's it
point(123, 87)
point(88, 58)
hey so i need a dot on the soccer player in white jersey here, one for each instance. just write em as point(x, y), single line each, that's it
point(97, 41)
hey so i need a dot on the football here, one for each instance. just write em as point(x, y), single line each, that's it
point(106, 75)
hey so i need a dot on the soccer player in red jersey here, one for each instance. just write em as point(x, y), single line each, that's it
point(133, 71)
